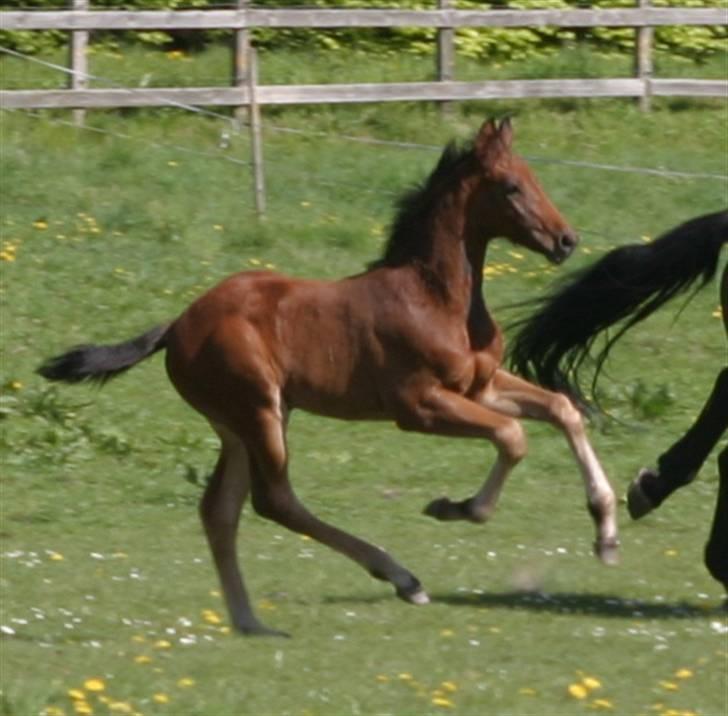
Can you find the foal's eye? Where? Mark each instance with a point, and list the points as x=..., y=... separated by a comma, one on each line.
x=510, y=188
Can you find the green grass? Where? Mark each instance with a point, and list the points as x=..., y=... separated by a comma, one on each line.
x=111, y=234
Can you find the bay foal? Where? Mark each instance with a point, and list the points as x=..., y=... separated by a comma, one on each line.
x=409, y=340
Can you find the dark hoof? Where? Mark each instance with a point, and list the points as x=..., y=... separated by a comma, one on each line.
x=638, y=504
x=262, y=630
x=607, y=551
x=445, y=510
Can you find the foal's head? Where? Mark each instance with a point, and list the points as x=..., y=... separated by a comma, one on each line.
x=509, y=201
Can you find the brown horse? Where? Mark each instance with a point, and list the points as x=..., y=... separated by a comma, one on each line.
x=409, y=340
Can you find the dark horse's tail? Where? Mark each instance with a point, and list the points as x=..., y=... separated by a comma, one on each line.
x=627, y=284
x=101, y=363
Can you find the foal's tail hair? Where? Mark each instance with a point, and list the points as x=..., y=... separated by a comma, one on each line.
x=97, y=364
x=627, y=284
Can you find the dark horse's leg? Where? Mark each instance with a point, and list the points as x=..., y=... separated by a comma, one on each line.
x=716, y=551
x=680, y=463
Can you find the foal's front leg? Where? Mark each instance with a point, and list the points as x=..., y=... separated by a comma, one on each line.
x=518, y=398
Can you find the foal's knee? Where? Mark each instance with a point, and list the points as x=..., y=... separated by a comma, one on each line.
x=565, y=414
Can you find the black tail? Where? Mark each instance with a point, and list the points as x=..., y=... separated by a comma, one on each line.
x=101, y=363
x=627, y=284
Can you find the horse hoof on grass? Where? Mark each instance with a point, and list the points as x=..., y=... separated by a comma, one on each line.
x=638, y=504
x=420, y=597
x=262, y=630
x=607, y=552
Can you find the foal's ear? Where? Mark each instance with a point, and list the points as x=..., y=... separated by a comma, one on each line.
x=505, y=132
x=492, y=139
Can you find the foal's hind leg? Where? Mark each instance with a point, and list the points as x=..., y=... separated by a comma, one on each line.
x=273, y=497
x=518, y=398
x=220, y=509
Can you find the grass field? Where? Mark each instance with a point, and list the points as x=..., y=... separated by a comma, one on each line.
x=109, y=600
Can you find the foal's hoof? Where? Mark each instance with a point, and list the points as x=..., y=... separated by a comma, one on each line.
x=638, y=504
x=418, y=597
x=607, y=551
x=445, y=510
x=262, y=630
x=413, y=593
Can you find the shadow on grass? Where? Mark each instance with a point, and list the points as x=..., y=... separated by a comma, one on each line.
x=571, y=603
x=603, y=605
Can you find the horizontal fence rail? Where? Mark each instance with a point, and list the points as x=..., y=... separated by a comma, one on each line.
x=356, y=93
x=311, y=18
x=80, y=20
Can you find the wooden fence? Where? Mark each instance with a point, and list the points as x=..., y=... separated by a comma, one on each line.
x=79, y=21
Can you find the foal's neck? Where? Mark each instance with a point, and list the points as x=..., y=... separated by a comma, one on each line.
x=457, y=254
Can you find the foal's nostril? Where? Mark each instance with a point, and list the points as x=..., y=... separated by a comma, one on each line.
x=568, y=241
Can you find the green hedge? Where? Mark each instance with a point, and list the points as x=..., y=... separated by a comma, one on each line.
x=696, y=43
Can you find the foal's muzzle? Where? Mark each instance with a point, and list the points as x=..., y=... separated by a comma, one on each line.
x=564, y=245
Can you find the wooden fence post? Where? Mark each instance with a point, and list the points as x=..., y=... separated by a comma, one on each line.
x=78, y=60
x=445, y=53
x=241, y=47
x=643, y=59
x=256, y=139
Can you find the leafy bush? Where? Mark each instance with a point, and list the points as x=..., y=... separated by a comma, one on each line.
x=696, y=43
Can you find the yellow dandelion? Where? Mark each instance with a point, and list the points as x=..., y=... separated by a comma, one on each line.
x=305, y=204
x=591, y=683
x=266, y=605
x=382, y=678
x=15, y=385
x=139, y=638
x=527, y=691
x=449, y=686
x=121, y=707
x=447, y=632
x=76, y=694
x=53, y=711
x=40, y=224
x=172, y=163
x=82, y=708
x=143, y=659
x=405, y=676
x=218, y=227
x=670, y=553
x=442, y=702
x=254, y=262
x=305, y=538
x=646, y=238
x=578, y=691
x=602, y=704
x=56, y=556
x=186, y=682
x=175, y=55
x=270, y=266
x=162, y=644
x=718, y=313
x=94, y=685
x=161, y=698
x=211, y=616
x=669, y=685
x=494, y=630
x=225, y=630
x=683, y=674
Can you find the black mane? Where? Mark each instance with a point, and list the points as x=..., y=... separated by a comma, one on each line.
x=407, y=237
